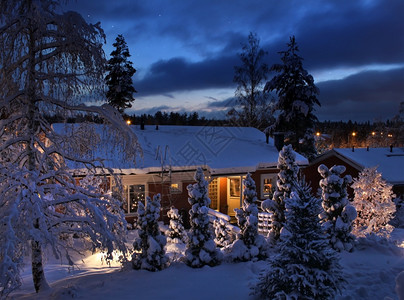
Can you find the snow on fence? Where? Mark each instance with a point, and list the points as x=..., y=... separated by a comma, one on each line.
x=264, y=222
x=213, y=214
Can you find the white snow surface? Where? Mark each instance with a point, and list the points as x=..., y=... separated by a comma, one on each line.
x=371, y=272
x=389, y=164
x=222, y=150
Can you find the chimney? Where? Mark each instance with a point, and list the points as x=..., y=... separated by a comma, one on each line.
x=141, y=124
x=267, y=136
x=353, y=148
x=279, y=140
x=391, y=148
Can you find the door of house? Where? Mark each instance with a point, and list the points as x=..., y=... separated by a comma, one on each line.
x=234, y=194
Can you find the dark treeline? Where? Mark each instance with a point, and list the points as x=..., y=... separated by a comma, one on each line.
x=328, y=134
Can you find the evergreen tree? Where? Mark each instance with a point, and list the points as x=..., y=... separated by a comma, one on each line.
x=297, y=95
x=250, y=78
x=287, y=176
x=50, y=60
x=305, y=266
x=223, y=235
x=374, y=203
x=149, y=245
x=338, y=216
x=249, y=245
x=201, y=249
x=176, y=232
x=119, y=78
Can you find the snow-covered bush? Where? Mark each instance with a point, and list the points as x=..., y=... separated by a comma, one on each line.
x=149, y=252
x=249, y=245
x=176, y=232
x=201, y=249
x=287, y=176
x=305, y=266
x=338, y=215
x=223, y=234
x=373, y=202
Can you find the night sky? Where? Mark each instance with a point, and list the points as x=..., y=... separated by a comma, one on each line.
x=185, y=51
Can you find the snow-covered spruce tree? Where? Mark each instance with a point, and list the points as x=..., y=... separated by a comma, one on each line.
x=287, y=176
x=305, y=266
x=338, y=215
x=176, y=232
x=250, y=78
x=374, y=203
x=119, y=77
x=48, y=60
x=249, y=245
x=201, y=249
x=223, y=235
x=297, y=96
x=149, y=245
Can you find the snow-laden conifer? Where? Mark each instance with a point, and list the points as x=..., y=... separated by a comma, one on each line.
x=223, y=234
x=149, y=244
x=287, y=176
x=338, y=215
x=176, y=232
x=119, y=77
x=305, y=266
x=201, y=249
x=51, y=61
x=374, y=203
x=249, y=245
x=297, y=97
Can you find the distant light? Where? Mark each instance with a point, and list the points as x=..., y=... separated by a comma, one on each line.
x=390, y=135
x=353, y=133
x=318, y=133
x=373, y=133
x=128, y=122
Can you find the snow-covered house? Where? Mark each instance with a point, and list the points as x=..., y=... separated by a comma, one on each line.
x=389, y=162
x=171, y=155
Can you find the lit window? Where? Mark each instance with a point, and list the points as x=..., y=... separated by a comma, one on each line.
x=132, y=195
x=234, y=187
x=175, y=187
x=268, y=182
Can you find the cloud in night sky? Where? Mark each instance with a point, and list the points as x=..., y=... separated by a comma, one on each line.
x=185, y=51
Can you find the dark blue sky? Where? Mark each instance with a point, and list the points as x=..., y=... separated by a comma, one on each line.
x=185, y=51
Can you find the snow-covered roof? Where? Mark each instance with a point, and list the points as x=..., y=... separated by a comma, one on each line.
x=222, y=150
x=389, y=164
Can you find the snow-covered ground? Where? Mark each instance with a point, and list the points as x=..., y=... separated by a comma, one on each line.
x=370, y=271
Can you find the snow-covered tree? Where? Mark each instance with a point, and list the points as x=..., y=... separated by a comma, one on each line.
x=249, y=245
x=223, y=235
x=201, y=249
x=297, y=96
x=119, y=77
x=338, y=215
x=250, y=79
x=305, y=266
x=49, y=60
x=176, y=232
x=287, y=177
x=374, y=203
x=149, y=244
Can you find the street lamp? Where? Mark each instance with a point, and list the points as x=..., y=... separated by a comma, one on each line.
x=128, y=122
